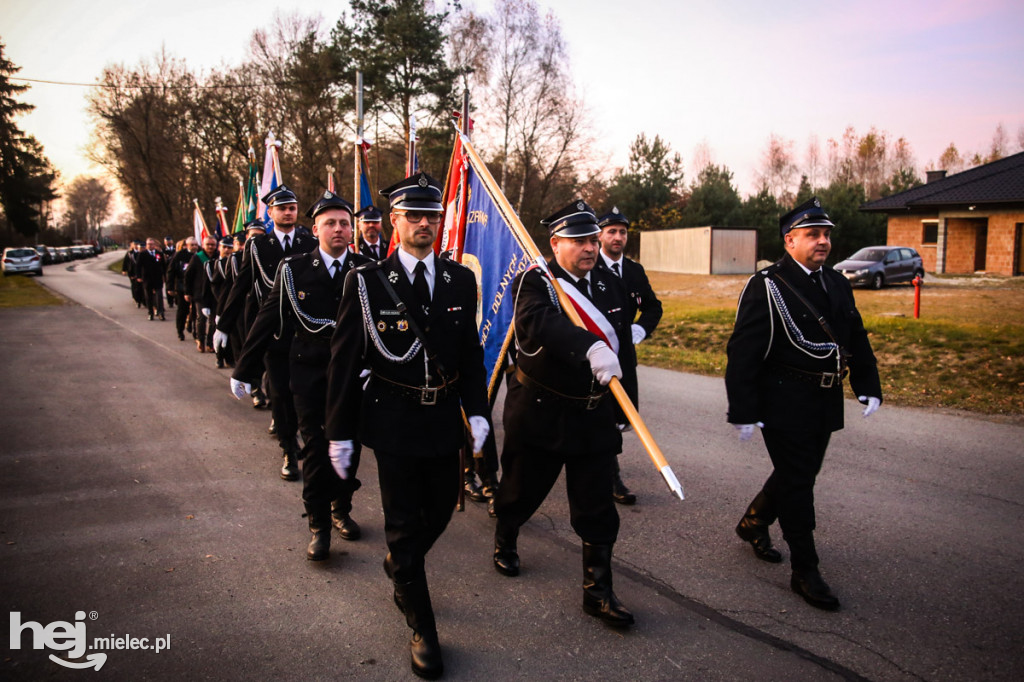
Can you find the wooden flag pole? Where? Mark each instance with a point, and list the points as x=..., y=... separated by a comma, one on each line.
x=615, y=385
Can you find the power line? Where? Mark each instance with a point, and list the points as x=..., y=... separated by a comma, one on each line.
x=196, y=86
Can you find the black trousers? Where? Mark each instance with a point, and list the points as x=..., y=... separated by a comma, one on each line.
x=155, y=299
x=181, y=316
x=282, y=404
x=418, y=495
x=796, y=457
x=527, y=476
x=204, y=327
x=321, y=485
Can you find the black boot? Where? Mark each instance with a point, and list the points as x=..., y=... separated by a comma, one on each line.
x=506, y=556
x=290, y=462
x=424, y=649
x=753, y=528
x=473, y=489
x=259, y=400
x=348, y=529
x=320, y=527
x=815, y=591
x=620, y=493
x=598, y=598
x=489, y=483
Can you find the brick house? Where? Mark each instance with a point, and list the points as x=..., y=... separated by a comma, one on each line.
x=968, y=222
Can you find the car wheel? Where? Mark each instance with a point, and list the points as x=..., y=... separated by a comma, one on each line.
x=877, y=282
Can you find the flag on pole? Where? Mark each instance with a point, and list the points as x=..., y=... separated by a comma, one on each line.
x=271, y=177
x=365, y=193
x=252, y=185
x=198, y=224
x=412, y=161
x=222, y=220
x=238, y=224
x=330, y=179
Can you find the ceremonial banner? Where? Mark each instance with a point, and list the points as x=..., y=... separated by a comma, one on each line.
x=365, y=193
x=198, y=224
x=493, y=252
x=271, y=177
x=222, y=220
x=252, y=185
x=450, y=237
x=238, y=224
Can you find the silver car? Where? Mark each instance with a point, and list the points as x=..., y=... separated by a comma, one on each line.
x=18, y=260
x=877, y=266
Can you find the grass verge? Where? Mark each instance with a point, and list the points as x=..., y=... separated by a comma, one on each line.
x=21, y=290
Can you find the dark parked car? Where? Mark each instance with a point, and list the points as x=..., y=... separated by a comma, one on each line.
x=65, y=253
x=877, y=266
x=44, y=253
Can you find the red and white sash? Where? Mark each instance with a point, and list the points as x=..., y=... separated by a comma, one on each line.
x=593, y=319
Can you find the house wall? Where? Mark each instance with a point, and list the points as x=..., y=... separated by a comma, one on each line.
x=999, y=258
x=961, y=234
x=957, y=242
x=908, y=230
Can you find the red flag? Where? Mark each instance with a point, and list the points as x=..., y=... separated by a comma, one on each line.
x=198, y=224
x=453, y=233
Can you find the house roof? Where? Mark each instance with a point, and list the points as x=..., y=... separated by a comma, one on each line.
x=999, y=182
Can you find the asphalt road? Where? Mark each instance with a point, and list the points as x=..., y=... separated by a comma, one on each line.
x=133, y=488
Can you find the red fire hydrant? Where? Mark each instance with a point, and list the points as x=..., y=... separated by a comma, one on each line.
x=917, y=282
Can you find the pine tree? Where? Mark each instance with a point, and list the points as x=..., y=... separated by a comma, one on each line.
x=26, y=176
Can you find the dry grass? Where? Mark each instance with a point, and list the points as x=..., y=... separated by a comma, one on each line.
x=21, y=290
x=966, y=351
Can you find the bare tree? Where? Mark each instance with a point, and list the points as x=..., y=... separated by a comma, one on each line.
x=703, y=157
x=778, y=169
x=812, y=160
x=88, y=203
x=1000, y=144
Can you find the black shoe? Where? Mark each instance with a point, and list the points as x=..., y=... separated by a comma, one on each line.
x=258, y=400
x=490, y=509
x=598, y=598
x=425, y=656
x=760, y=540
x=289, y=467
x=814, y=590
x=389, y=571
x=506, y=554
x=272, y=429
x=319, y=546
x=622, y=494
x=347, y=528
x=220, y=363
x=608, y=609
x=162, y=318
x=151, y=317
x=181, y=336
x=474, y=490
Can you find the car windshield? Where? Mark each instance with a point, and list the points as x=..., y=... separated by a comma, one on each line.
x=21, y=253
x=869, y=254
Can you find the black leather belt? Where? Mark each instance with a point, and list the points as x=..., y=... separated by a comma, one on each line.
x=588, y=402
x=821, y=379
x=424, y=395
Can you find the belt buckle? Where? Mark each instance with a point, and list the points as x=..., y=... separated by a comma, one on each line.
x=428, y=395
x=828, y=379
x=593, y=399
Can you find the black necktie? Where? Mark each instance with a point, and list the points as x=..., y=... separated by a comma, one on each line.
x=615, y=269
x=336, y=267
x=371, y=249
x=287, y=244
x=816, y=278
x=581, y=284
x=419, y=285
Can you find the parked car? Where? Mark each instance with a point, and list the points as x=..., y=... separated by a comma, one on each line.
x=877, y=266
x=54, y=256
x=65, y=253
x=19, y=259
x=44, y=253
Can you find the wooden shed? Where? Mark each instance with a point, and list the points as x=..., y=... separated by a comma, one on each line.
x=700, y=250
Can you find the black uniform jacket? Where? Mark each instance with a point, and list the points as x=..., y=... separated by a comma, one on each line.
x=377, y=335
x=777, y=346
x=261, y=256
x=552, y=353
x=382, y=248
x=150, y=268
x=198, y=276
x=304, y=301
x=176, y=270
x=231, y=269
x=220, y=281
x=128, y=263
x=641, y=295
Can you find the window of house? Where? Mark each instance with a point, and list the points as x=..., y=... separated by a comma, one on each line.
x=930, y=232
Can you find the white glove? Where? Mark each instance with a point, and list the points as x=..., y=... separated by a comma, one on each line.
x=747, y=430
x=872, y=404
x=216, y=319
x=639, y=334
x=220, y=339
x=206, y=312
x=479, y=427
x=340, y=452
x=603, y=363
x=240, y=389
x=365, y=374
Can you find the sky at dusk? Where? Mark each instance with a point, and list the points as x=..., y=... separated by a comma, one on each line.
x=725, y=74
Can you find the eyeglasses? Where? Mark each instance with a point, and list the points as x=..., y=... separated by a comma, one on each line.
x=433, y=217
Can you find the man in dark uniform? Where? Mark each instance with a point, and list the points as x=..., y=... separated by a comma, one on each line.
x=251, y=287
x=168, y=255
x=785, y=374
x=304, y=301
x=370, y=243
x=220, y=284
x=128, y=265
x=558, y=412
x=199, y=293
x=411, y=320
x=149, y=269
x=176, y=282
x=614, y=233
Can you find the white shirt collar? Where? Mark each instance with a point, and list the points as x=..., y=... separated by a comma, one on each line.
x=609, y=261
x=281, y=235
x=409, y=262
x=329, y=259
x=804, y=268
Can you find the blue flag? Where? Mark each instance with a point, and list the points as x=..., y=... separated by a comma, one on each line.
x=495, y=256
